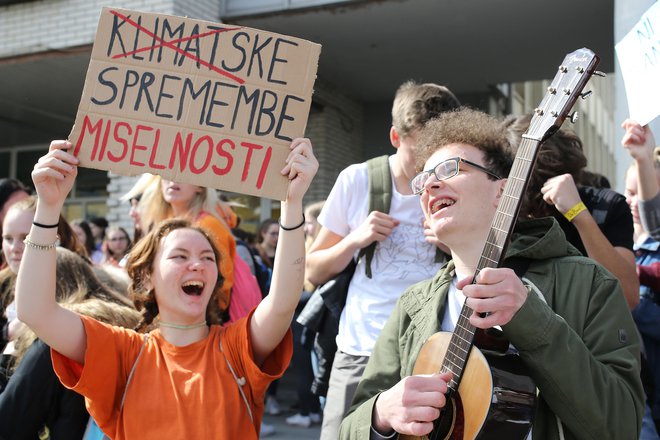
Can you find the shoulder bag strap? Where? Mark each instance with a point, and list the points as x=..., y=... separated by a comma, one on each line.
x=130, y=375
x=240, y=381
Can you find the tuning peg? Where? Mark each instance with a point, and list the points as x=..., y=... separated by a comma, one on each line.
x=586, y=94
x=599, y=73
x=573, y=117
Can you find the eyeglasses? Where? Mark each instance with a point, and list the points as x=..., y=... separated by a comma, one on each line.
x=443, y=171
x=118, y=239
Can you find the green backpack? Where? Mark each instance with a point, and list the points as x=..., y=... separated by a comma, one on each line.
x=380, y=198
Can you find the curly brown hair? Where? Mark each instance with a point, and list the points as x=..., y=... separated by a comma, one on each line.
x=470, y=127
x=140, y=266
x=560, y=154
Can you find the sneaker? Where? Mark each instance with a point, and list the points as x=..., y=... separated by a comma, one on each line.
x=266, y=430
x=315, y=417
x=299, y=420
x=272, y=408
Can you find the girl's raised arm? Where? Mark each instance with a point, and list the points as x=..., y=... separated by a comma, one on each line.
x=273, y=316
x=61, y=329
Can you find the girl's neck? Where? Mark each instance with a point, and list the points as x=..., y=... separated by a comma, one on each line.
x=269, y=251
x=180, y=210
x=180, y=337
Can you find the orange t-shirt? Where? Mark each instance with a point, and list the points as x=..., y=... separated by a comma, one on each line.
x=226, y=244
x=175, y=392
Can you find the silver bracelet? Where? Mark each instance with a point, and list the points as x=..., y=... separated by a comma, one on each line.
x=41, y=247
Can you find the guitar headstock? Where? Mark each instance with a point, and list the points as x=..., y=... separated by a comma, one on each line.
x=573, y=74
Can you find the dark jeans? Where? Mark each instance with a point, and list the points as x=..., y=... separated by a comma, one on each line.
x=302, y=366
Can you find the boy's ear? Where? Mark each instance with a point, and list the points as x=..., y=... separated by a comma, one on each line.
x=395, y=139
x=500, y=190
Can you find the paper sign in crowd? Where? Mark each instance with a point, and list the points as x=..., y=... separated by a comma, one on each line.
x=194, y=101
x=639, y=56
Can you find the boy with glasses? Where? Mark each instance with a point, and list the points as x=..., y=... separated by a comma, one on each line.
x=566, y=317
x=401, y=258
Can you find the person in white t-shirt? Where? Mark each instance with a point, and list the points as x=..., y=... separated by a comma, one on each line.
x=404, y=254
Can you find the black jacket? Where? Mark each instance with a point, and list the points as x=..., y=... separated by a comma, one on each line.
x=34, y=398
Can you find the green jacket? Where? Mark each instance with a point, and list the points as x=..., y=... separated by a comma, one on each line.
x=579, y=342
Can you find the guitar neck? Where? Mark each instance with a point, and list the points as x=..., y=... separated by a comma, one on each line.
x=491, y=256
x=572, y=75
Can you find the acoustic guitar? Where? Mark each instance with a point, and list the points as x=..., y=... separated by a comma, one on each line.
x=491, y=395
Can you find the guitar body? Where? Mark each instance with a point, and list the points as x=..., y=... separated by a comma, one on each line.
x=495, y=398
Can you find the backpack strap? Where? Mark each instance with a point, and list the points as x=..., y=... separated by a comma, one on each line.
x=380, y=198
x=90, y=429
x=130, y=375
x=240, y=381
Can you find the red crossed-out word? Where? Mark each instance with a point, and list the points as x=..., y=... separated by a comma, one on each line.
x=172, y=45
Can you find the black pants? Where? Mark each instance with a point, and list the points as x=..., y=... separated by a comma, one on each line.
x=302, y=366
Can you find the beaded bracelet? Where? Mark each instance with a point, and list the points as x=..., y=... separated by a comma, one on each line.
x=41, y=247
x=574, y=211
x=284, y=228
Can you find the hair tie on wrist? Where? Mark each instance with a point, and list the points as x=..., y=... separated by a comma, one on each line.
x=284, y=228
x=41, y=225
x=574, y=211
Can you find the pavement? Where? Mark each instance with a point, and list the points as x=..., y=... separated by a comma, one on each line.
x=287, y=398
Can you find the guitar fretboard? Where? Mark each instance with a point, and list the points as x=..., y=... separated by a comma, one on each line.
x=566, y=87
x=494, y=248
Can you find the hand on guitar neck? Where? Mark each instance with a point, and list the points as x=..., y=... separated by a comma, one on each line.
x=411, y=406
x=495, y=298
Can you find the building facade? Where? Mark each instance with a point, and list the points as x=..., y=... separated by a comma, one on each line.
x=369, y=47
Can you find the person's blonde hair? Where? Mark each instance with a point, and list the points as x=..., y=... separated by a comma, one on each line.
x=154, y=208
x=313, y=210
x=415, y=104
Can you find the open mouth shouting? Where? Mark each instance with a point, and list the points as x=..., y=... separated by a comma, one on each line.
x=193, y=288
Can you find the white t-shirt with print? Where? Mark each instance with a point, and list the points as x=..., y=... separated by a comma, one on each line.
x=401, y=260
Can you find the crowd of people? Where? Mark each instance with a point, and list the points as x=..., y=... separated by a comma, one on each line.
x=183, y=326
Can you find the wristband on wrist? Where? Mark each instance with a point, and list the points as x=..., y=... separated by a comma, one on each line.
x=574, y=211
x=41, y=225
x=284, y=228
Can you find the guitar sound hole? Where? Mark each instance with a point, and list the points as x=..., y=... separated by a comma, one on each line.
x=449, y=426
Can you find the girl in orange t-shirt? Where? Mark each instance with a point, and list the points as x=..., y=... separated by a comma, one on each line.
x=190, y=377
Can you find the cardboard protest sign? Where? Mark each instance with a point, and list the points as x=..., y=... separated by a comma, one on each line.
x=639, y=56
x=194, y=101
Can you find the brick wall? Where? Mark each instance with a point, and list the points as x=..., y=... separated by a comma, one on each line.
x=336, y=122
x=40, y=26
x=54, y=24
x=336, y=129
